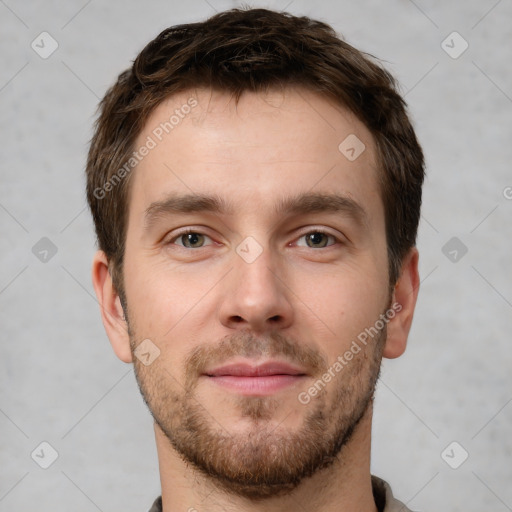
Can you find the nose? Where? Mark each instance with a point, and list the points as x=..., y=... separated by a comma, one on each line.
x=255, y=296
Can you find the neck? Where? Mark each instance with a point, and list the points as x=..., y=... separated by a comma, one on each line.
x=343, y=486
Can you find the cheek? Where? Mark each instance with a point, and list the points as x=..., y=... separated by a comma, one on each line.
x=164, y=298
x=345, y=302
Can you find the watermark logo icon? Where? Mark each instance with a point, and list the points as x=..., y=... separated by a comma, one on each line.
x=44, y=455
x=44, y=250
x=454, y=455
x=352, y=147
x=454, y=249
x=454, y=45
x=249, y=249
x=146, y=352
x=44, y=45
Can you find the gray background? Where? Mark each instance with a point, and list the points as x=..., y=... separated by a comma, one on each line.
x=60, y=382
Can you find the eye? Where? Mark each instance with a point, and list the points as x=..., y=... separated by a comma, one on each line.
x=190, y=239
x=317, y=239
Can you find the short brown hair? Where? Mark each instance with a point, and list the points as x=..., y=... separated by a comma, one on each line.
x=253, y=50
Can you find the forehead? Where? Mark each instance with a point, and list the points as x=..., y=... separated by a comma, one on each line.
x=254, y=151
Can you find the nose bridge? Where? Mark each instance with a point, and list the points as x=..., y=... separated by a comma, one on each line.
x=254, y=266
x=254, y=294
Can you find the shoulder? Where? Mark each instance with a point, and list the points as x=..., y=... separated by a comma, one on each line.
x=157, y=505
x=384, y=498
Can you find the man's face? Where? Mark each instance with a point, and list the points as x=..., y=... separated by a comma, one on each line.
x=281, y=276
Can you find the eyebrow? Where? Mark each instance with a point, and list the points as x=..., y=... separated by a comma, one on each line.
x=297, y=205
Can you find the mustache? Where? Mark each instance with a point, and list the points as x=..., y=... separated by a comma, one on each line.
x=245, y=344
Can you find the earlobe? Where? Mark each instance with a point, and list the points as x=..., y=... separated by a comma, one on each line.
x=112, y=313
x=403, y=302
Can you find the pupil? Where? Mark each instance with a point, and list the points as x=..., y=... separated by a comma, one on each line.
x=316, y=238
x=192, y=238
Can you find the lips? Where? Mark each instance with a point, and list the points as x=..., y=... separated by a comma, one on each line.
x=262, y=370
x=256, y=380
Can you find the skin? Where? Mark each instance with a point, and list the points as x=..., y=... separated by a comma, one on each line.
x=292, y=301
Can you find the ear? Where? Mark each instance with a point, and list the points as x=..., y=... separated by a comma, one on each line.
x=112, y=313
x=403, y=303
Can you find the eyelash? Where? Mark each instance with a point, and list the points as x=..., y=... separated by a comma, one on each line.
x=197, y=232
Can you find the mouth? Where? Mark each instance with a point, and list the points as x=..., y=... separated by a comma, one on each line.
x=256, y=380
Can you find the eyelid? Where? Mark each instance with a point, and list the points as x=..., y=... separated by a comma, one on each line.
x=319, y=229
x=200, y=231
x=185, y=231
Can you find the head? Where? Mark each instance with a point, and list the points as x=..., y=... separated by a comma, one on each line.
x=247, y=129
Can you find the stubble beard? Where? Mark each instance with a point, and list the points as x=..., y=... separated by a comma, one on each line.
x=267, y=460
